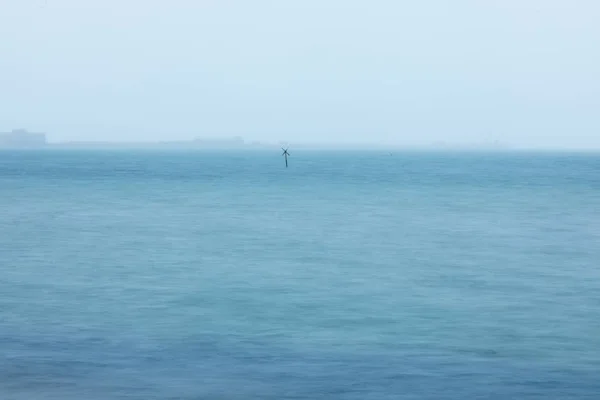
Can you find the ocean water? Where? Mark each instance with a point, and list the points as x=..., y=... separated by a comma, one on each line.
x=198, y=275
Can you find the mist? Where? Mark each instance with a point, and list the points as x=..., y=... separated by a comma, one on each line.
x=524, y=73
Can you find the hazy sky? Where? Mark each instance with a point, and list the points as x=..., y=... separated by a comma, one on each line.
x=520, y=71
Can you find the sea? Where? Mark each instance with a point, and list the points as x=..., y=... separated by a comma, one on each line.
x=358, y=275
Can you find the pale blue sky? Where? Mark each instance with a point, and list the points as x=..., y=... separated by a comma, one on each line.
x=401, y=72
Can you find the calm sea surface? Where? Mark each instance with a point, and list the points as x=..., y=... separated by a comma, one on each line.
x=191, y=275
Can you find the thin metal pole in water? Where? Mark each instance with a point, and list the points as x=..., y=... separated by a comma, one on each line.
x=285, y=155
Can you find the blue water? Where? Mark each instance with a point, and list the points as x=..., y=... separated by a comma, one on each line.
x=191, y=275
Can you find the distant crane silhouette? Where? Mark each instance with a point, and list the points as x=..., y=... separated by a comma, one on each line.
x=285, y=154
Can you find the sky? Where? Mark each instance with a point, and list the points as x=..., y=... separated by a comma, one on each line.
x=521, y=72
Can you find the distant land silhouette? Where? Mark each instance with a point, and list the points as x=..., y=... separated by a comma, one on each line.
x=21, y=138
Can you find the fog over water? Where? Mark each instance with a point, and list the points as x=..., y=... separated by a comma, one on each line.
x=522, y=73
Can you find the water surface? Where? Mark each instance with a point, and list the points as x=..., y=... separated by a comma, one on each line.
x=196, y=275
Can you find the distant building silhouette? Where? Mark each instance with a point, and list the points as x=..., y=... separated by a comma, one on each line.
x=21, y=138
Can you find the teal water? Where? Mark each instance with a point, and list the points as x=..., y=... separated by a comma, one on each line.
x=191, y=275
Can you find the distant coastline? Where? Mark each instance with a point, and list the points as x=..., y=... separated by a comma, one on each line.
x=24, y=139
x=194, y=146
